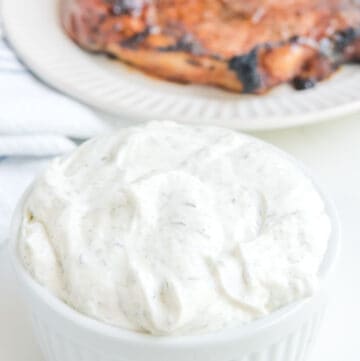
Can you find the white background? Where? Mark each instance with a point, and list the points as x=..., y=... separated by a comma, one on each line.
x=332, y=152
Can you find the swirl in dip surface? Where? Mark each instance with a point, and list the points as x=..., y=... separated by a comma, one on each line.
x=171, y=229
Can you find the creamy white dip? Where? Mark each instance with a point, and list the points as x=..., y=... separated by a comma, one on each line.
x=172, y=229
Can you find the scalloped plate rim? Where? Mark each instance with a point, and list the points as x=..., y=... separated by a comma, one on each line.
x=46, y=73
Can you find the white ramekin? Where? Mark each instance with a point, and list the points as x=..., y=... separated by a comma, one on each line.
x=66, y=335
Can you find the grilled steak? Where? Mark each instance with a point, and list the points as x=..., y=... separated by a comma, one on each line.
x=243, y=46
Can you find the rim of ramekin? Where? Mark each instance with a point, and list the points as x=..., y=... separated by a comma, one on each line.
x=244, y=331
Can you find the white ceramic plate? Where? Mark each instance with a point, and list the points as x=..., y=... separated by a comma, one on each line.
x=33, y=29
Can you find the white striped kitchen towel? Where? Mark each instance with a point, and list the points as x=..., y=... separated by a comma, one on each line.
x=34, y=119
x=36, y=123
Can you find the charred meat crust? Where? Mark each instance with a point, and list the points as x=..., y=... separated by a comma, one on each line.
x=173, y=39
x=247, y=70
x=120, y=7
x=185, y=44
x=249, y=73
x=300, y=83
x=345, y=38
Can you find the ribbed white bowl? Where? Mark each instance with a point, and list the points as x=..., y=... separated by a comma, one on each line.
x=66, y=335
x=33, y=29
x=61, y=341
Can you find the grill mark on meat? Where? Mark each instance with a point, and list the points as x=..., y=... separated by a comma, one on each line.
x=193, y=62
x=128, y=7
x=133, y=41
x=185, y=43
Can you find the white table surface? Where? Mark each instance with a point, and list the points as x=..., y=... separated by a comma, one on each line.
x=332, y=152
